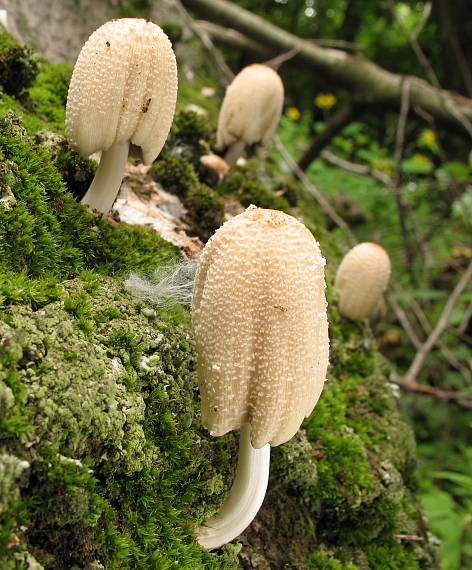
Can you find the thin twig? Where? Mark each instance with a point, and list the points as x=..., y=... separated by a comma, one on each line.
x=207, y=43
x=404, y=321
x=461, y=399
x=402, y=208
x=317, y=194
x=465, y=320
x=440, y=327
x=355, y=168
x=277, y=61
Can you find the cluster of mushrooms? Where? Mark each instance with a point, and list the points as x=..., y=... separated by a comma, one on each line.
x=259, y=311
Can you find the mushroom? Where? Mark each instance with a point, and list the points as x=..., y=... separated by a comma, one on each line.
x=251, y=110
x=215, y=164
x=259, y=317
x=123, y=89
x=361, y=280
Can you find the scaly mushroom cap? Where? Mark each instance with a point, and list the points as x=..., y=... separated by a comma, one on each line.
x=361, y=280
x=252, y=106
x=259, y=316
x=124, y=87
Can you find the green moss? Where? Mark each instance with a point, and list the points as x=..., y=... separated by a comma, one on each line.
x=243, y=184
x=18, y=65
x=77, y=172
x=46, y=233
x=103, y=460
x=190, y=137
x=324, y=560
x=174, y=174
x=119, y=464
x=48, y=95
x=206, y=209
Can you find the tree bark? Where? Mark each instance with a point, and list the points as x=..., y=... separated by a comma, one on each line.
x=369, y=82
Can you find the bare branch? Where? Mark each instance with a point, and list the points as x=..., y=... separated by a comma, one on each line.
x=277, y=61
x=440, y=327
x=233, y=39
x=367, y=81
x=395, y=187
x=333, y=127
x=461, y=399
x=317, y=194
x=355, y=168
x=206, y=42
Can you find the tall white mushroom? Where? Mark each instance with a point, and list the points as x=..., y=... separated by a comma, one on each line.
x=259, y=316
x=361, y=280
x=251, y=110
x=123, y=89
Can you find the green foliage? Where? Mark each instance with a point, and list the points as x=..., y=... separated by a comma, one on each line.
x=18, y=65
x=174, y=174
x=207, y=210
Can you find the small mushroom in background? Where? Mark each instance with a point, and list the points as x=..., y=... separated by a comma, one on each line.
x=215, y=164
x=123, y=90
x=361, y=280
x=251, y=110
x=261, y=329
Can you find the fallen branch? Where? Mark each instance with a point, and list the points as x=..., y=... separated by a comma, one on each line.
x=369, y=83
x=440, y=327
x=355, y=168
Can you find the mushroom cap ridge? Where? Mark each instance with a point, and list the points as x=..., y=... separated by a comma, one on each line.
x=259, y=316
x=123, y=87
x=252, y=106
x=361, y=280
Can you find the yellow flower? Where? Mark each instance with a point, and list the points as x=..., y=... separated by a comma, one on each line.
x=429, y=137
x=325, y=100
x=293, y=113
x=420, y=158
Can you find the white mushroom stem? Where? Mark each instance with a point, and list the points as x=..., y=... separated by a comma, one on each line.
x=245, y=498
x=234, y=152
x=106, y=184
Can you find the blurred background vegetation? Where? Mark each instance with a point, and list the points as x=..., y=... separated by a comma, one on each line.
x=432, y=174
x=402, y=179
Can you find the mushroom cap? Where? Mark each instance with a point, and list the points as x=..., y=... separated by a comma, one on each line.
x=361, y=280
x=124, y=87
x=261, y=329
x=215, y=163
x=252, y=106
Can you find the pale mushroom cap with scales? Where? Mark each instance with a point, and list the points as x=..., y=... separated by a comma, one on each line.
x=124, y=87
x=259, y=316
x=252, y=106
x=361, y=280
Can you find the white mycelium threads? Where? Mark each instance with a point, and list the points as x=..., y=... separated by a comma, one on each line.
x=123, y=89
x=361, y=280
x=259, y=316
x=251, y=110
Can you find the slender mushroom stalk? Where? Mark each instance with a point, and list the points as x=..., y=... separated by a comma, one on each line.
x=251, y=110
x=123, y=90
x=361, y=280
x=259, y=316
x=245, y=498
